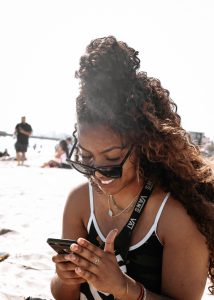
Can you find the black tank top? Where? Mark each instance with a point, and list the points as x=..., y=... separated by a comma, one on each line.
x=144, y=260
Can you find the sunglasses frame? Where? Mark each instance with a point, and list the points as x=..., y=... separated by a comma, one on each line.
x=102, y=169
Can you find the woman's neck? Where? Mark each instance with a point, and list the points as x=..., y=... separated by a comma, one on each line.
x=128, y=194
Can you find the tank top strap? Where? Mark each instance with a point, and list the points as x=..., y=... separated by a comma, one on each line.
x=91, y=198
x=160, y=211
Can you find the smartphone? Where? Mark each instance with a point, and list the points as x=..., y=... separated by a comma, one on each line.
x=61, y=246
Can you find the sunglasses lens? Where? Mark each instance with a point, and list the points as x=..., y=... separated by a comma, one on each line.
x=113, y=172
x=82, y=169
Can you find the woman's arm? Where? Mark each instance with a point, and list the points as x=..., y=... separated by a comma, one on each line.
x=61, y=291
x=100, y=269
x=65, y=285
x=184, y=269
x=185, y=255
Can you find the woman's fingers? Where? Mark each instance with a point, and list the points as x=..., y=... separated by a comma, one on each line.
x=86, y=255
x=86, y=250
x=59, y=258
x=86, y=275
x=66, y=266
x=94, y=265
x=90, y=253
x=66, y=270
x=68, y=275
x=109, y=244
x=89, y=264
x=62, y=263
x=89, y=257
x=95, y=269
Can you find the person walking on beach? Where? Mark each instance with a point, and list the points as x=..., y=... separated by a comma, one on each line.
x=23, y=131
x=144, y=223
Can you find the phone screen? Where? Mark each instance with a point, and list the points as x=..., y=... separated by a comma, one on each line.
x=61, y=246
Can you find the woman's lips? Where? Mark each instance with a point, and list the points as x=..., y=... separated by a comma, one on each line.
x=103, y=182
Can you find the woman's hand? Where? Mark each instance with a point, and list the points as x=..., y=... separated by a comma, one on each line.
x=66, y=270
x=98, y=267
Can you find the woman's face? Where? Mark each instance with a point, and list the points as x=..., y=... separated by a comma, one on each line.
x=100, y=146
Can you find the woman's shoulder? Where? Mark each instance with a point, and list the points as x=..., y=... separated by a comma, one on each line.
x=76, y=212
x=78, y=197
x=175, y=223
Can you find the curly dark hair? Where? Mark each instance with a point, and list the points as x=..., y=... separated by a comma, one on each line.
x=115, y=93
x=63, y=144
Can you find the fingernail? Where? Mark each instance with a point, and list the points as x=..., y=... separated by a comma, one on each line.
x=74, y=247
x=67, y=257
x=81, y=241
x=73, y=257
x=78, y=270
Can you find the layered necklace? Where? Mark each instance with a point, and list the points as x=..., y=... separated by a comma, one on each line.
x=121, y=210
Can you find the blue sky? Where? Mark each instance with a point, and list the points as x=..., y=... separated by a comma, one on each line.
x=41, y=42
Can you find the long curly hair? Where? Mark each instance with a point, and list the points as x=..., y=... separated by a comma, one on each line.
x=115, y=93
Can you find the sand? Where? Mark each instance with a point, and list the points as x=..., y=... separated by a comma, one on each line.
x=31, y=201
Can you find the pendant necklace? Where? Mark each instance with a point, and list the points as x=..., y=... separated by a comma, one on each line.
x=111, y=198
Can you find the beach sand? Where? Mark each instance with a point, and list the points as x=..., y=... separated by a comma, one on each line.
x=32, y=201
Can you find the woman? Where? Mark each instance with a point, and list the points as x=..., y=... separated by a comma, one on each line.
x=144, y=223
x=61, y=155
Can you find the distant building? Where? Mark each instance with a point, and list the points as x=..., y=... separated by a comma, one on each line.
x=204, y=143
x=198, y=137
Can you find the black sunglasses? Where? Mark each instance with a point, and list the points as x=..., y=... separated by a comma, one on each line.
x=114, y=171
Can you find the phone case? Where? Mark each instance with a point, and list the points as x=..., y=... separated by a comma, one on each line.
x=61, y=246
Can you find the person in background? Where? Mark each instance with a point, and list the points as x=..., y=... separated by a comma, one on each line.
x=69, y=142
x=4, y=154
x=144, y=224
x=22, y=132
x=62, y=151
x=60, y=158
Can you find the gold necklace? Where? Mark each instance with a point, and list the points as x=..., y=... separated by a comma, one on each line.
x=115, y=203
x=110, y=212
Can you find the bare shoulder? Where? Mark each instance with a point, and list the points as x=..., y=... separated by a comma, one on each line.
x=175, y=223
x=78, y=198
x=76, y=212
x=185, y=253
